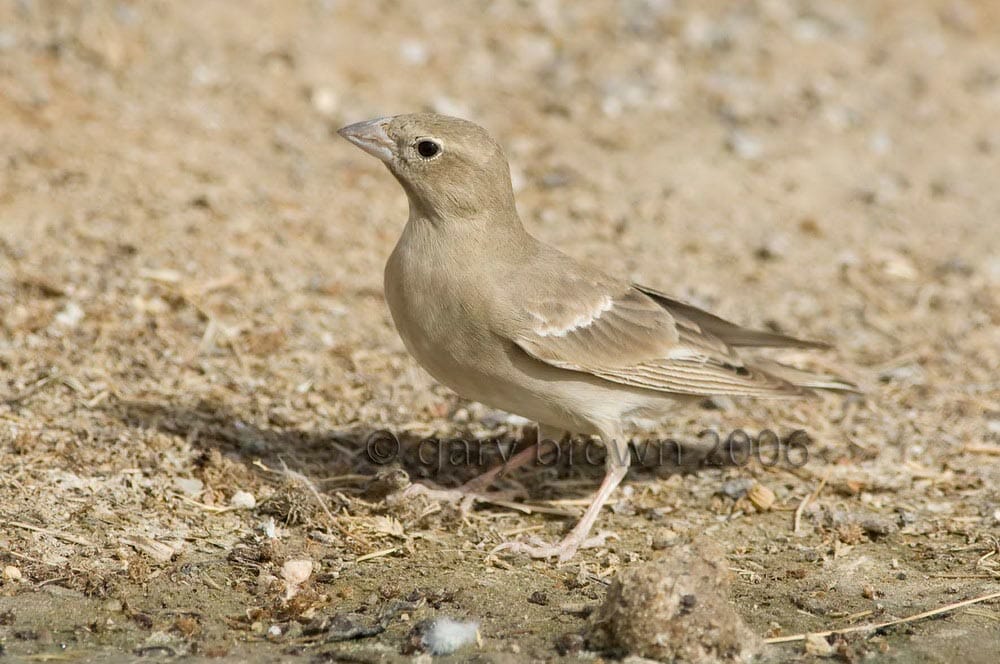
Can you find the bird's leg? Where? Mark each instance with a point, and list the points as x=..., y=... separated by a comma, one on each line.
x=475, y=489
x=618, y=460
x=485, y=480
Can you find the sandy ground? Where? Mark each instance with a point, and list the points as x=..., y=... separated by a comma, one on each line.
x=190, y=307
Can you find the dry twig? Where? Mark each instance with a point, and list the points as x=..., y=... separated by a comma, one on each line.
x=888, y=623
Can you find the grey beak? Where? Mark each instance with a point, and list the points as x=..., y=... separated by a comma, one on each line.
x=371, y=137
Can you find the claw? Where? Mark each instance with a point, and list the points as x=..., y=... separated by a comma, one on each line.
x=462, y=496
x=564, y=550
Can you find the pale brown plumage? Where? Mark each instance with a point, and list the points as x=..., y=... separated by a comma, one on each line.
x=509, y=321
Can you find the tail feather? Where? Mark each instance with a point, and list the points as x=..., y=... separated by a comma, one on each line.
x=803, y=378
x=730, y=333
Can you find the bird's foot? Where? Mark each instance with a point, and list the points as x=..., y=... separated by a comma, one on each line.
x=564, y=550
x=465, y=496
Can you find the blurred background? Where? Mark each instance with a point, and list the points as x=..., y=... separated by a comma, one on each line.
x=181, y=227
x=750, y=148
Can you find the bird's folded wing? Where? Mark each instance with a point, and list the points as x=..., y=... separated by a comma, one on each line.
x=624, y=336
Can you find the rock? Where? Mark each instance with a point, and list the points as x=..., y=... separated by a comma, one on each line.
x=70, y=316
x=744, y=146
x=817, y=645
x=295, y=573
x=243, y=500
x=569, y=643
x=189, y=486
x=664, y=538
x=761, y=496
x=736, y=488
x=445, y=635
x=675, y=607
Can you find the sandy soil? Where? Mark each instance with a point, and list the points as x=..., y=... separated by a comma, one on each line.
x=190, y=307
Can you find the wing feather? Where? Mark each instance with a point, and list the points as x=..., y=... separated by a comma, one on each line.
x=629, y=337
x=730, y=333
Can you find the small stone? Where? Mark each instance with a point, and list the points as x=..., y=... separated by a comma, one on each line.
x=12, y=574
x=817, y=645
x=295, y=573
x=189, y=486
x=569, y=643
x=744, y=146
x=664, y=538
x=70, y=316
x=737, y=488
x=243, y=500
x=539, y=598
x=444, y=635
x=761, y=497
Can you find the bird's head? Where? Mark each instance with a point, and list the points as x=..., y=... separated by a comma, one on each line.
x=450, y=168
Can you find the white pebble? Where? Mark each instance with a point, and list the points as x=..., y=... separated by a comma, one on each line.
x=446, y=635
x=243, y=500
x=295, y=573
x=70, y=316
x=189, y=486
x=744, y=146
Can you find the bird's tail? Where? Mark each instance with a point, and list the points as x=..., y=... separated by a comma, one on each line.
x=805, y=379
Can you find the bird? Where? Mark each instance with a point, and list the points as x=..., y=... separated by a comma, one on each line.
x=507, y=320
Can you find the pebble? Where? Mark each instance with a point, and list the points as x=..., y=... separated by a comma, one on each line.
x=446, y=635
x=817, y=645
x=664, y=538
x=70, y=316
x=761, y=497
x=295, y=573
x=744, y=146
x=243, y=500
x=736, y=488
x=189, y=486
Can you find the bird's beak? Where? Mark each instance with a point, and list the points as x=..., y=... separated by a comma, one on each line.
x=371, y=137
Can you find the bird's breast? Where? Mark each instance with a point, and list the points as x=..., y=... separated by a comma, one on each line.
x=438, y=315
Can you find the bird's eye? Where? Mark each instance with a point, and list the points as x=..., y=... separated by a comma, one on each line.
x=428, y=149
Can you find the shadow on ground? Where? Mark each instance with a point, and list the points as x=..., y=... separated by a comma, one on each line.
x=366, y=452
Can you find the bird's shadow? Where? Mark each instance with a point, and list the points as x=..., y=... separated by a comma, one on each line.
x=361, y=452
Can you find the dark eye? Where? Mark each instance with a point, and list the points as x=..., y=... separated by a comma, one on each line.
x=428, y=149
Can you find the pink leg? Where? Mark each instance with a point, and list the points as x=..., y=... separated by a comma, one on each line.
x=484, y=481
x=577, y=538
x=467, y=494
